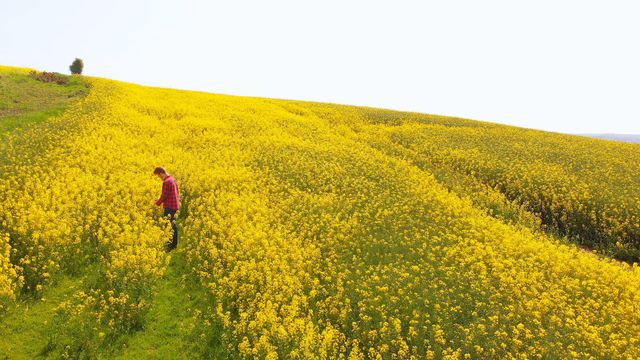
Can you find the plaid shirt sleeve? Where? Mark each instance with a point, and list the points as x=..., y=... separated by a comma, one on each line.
x=163, y=196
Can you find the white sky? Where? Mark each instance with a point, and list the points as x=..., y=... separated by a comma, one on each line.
x=568, y=66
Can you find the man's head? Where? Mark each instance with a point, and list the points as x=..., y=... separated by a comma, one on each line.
x=160, y=172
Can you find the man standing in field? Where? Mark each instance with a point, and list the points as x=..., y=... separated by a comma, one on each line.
x=170, y=199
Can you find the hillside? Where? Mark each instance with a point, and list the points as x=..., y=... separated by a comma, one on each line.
x=311, y=230
x=26, y=100
x=630, y=138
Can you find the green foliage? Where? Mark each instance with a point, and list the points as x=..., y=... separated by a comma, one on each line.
x=77, y=66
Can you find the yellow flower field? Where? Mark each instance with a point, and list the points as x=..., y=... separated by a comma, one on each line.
x=326, y=231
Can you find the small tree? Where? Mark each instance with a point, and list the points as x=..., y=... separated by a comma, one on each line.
x=76, y=66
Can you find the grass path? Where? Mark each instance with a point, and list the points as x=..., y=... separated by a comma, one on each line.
x=170, y=329
x=24, y=328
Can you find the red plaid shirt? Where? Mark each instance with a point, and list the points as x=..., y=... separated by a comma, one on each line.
x=170, y=195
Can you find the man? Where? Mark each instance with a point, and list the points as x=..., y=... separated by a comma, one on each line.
x=170, y=199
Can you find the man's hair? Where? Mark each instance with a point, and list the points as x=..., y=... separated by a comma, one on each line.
x=159, y=170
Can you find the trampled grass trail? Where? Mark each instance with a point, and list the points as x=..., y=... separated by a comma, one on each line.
x=170, y=331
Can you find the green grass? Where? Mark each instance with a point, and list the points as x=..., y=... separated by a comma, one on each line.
x=24, y=328
x=171, y=328
x=25, y=100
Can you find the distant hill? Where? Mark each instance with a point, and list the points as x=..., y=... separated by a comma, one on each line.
x=630, y=138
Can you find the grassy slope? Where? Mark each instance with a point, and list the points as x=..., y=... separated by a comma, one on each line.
x=25, y=100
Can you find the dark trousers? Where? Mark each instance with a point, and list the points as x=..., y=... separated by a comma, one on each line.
x=171, y=214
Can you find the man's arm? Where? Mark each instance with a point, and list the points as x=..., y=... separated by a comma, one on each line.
x=163, y=196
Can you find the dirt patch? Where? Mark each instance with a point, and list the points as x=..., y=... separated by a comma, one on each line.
x=11, y=112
